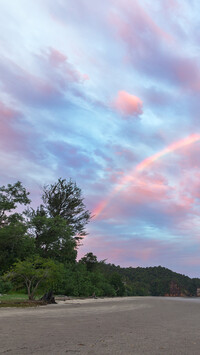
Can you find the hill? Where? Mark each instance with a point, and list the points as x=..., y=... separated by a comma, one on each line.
x=152, y=281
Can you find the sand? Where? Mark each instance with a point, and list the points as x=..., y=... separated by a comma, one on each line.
x=134, y=325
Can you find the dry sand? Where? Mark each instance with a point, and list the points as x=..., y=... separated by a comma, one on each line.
x=134, y=325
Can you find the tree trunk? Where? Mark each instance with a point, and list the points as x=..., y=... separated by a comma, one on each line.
x=48, y=297
x=30, y=295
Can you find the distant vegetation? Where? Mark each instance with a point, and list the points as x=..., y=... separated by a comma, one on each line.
x=38, y=251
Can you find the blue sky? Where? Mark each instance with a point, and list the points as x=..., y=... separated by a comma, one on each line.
x=88, y=91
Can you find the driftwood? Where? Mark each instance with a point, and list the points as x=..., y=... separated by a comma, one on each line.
x=48, y=297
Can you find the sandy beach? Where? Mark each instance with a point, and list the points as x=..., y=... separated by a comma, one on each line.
x=134, y=325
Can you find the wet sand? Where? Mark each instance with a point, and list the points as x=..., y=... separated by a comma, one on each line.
x=134, y=325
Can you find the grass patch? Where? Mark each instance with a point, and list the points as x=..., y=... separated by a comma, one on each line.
x=19, y=300
x=22, y=303
x=14, y=296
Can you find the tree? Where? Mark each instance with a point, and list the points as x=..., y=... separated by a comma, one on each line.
x=116, y=282
x=59, y=223
x=14, y=241
x=52, y=236
x=65, y=199
x=14, y=244
x=33, y=272
x=90, y=260
x=10, y=196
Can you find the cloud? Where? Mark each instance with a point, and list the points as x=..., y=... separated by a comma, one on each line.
x=26, y=87
x=127, y=104
x=56, y=58
x=54, y=77
x=126, y=13
x=151, y=50
x=70, y=157
x=143, y=252
x=158, y=98
x=12, y=138
x=56, y=66
x=158, y=196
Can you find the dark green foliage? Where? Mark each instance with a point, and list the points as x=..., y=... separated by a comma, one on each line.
x=64, y=199
x=116, y=281
x=58, y=225
x=10, y=196
x=78, y=281
x=154, y=281
x=34, y=272
x=14, y=241
x=90, y=260
x=14, y=244
x=52, y=235
x=101, y=285
x=75, y=281
x=82, y=282
x=5, y=286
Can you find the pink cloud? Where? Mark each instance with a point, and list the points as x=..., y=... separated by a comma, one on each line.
x=127, y=104
x=58, y=69
x=56, y=66
x=191, y=261
x=16, y=134
x=143, y=252
x=124, y=153
x=9, y=137
x=27, y=87
x=142, y=194
x=54, y=76
x=134, y=24
x=7, y=113
x=149, y=197
x=56, y=58
x=59, y=60
x=151, y=48
x=134, y=251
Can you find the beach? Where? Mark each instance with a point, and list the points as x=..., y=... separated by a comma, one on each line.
x=128, y=325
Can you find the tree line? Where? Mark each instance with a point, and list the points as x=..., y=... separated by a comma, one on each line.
x=38, y=250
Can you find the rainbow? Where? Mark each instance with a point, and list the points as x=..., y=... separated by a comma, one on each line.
x=144, y=165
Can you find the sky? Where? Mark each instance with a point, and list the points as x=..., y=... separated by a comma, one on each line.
x=107, y=93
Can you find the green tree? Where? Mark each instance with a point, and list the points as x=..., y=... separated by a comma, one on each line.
x=52, y=236
x=90, y=260
x=59, y=223
x=116, y=282
x=14, y=241
x=10, y=197
x=82, y=283
x=14, y=244
x=34, y=272
x=65, y=199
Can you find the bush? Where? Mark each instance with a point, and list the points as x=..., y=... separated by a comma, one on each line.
x=5, y=286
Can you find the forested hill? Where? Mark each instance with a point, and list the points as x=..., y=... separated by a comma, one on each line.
x=154, y=281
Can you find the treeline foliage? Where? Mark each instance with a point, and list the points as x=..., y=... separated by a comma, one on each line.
x=152, y=281
x=38, y=250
